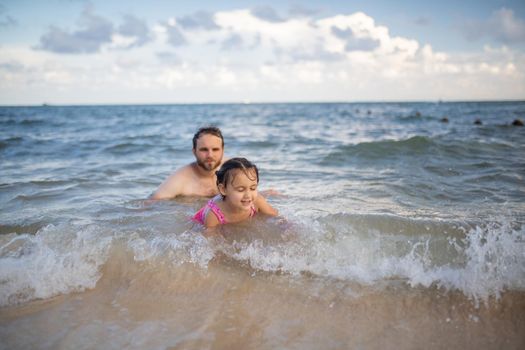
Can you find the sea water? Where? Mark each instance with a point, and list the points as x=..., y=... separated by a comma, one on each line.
x=401, y=226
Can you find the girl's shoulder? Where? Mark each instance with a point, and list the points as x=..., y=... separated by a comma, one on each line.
x=216, y=199
x=214, y=206
x=211, y=220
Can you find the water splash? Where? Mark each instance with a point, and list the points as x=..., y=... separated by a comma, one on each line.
x=56, y=260
x=481, y=260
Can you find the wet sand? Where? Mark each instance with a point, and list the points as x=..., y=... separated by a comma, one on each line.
x=231, y=306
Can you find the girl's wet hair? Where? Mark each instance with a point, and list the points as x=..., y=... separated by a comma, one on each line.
x=225, y=173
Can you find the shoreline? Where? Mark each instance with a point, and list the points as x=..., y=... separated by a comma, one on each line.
x=231, y=306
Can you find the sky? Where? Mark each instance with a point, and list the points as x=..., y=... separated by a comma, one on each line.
x=69, y=52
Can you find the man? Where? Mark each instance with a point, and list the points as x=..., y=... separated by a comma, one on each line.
x=197, y=178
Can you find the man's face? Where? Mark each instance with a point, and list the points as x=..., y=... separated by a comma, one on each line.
x=208, y=152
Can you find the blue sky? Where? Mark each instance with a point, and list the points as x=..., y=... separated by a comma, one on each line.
x=159, y=51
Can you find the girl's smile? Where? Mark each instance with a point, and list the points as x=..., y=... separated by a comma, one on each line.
x=237, y=181
x=241, y=192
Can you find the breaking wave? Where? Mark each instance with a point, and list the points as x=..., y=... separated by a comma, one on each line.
x=481, y=260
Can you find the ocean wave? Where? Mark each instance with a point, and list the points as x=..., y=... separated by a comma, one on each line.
x=124, y=148
x=10, y=142
x=14, y=120
x=379, y=149
x=257, y=144
x=57, y=260
x=481, y=260
x=415, y=146
x=21, y=228
x=416, y=117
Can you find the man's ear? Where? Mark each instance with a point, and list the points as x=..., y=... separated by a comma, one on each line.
x=193, y=150
x=222, y=189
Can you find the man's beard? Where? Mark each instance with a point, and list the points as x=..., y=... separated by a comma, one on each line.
x=207, y=166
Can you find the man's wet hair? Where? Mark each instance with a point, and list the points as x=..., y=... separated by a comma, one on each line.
x=225, y=173
x=211, y=130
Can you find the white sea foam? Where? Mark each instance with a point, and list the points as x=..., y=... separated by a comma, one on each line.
x=495, y=261
x=56, y=260
x=188, y=246
x=488, y=259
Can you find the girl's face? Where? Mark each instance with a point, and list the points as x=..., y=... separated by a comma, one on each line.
x=241, y=191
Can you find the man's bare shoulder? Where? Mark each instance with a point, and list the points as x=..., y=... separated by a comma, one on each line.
x=174, y=184
x=183, y=172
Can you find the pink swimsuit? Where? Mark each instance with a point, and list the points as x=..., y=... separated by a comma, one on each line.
x=200, y=216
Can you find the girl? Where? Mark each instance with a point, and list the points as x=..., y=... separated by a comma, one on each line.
x=237, y=182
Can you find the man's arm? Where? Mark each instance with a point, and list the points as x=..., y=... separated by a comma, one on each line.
x=170, y=188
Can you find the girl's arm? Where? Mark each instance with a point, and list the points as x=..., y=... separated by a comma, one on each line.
x=210, y=220
x=264, y=207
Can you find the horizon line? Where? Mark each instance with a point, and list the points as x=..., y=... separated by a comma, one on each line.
x=49, y=104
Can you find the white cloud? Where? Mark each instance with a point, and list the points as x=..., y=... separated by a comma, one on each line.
x=236, y=55
x=509, y=28
x=134, y=31
x=284, y=34
x=199, y=20
x=266, y=13
x=95, y=33
x=122, y=41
